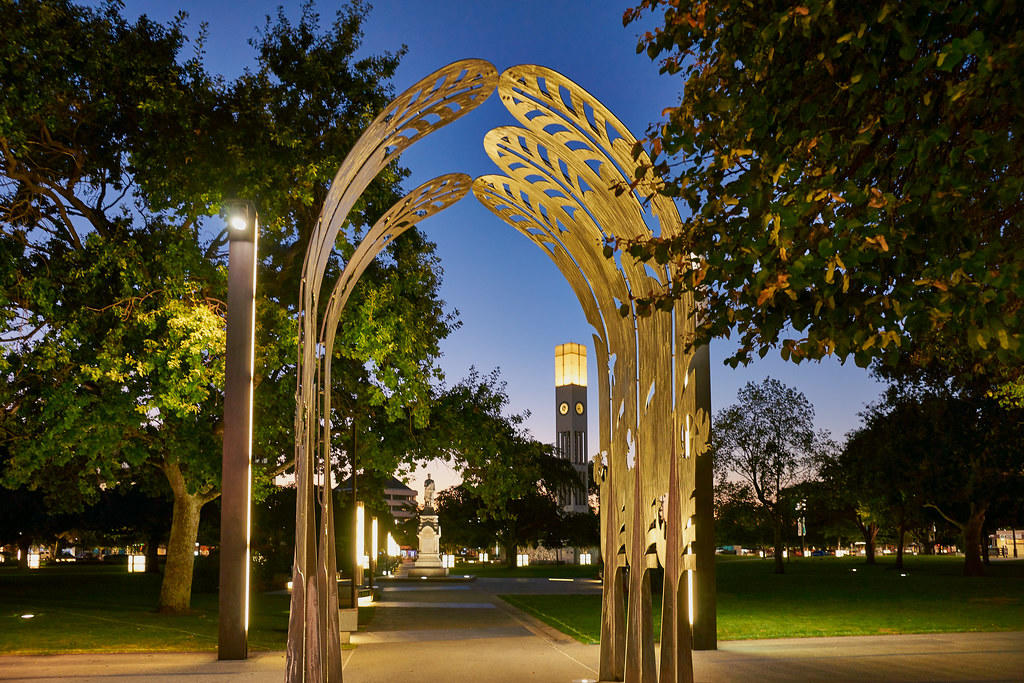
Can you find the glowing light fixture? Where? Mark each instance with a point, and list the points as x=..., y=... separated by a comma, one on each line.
x=373, y=539
x=570, y=365
x=33, y=560
x=393, y=548
x=136, y=564
x=360, y=536
x=689, y=593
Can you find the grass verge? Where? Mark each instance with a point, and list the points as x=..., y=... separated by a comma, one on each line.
x=105, y=609
x=825, y=597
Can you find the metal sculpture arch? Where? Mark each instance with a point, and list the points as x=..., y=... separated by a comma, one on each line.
x=562, y=170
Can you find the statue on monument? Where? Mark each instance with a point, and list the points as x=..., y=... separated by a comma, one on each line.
x=428, y=559
x=428, y=493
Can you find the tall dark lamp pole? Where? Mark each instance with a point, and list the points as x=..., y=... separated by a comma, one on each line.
x=236, y=476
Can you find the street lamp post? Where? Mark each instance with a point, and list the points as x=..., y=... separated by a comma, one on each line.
x=236, y=476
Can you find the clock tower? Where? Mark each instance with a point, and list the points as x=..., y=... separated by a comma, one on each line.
x=571, y=418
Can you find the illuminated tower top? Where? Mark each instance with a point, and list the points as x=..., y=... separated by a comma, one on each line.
x=570, y=365
x=571, y=419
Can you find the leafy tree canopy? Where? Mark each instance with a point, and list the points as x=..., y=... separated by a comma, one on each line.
x=115, y=145
x=925, y=447
x=853, y=174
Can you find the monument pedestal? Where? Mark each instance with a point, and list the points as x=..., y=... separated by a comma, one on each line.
x=428, y=558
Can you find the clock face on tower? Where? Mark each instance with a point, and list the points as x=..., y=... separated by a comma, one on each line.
x=579, y=408
x=563, y=408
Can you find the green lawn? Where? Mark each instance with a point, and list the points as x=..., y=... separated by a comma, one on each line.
x=105, y=609
x=825, y=597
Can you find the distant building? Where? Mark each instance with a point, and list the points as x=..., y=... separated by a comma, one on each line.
x=1007, y=543
x=400, y=498
x=571, y=419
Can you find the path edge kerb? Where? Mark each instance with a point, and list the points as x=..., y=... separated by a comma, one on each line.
x=532, y=623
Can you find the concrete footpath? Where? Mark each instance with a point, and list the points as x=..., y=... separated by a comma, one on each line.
x=461, y=632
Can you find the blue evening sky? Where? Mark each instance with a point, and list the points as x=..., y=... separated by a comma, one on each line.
x=514, y=304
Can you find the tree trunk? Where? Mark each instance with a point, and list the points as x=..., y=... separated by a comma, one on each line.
x=869, y=531
x=780, y=567
x=23, y=545
x=901, y=532
x=984, y=546
x=176, y=587
x=510, y=555
x=508, y=542
x=152, y=556
x=973, y=566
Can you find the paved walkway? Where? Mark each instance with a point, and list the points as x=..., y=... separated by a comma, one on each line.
x=461, y=632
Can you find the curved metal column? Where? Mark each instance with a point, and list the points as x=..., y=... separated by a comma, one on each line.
x=314, y=648
x=567, y=188
x=568, y=172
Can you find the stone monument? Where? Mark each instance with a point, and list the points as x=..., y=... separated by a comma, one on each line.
x=428, y=559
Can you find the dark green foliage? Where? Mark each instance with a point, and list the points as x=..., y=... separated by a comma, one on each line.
x=924, y=446
x=116, y=147
x=739, y=520
x=853, y=175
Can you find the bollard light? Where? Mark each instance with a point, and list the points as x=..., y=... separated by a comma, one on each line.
x=136, y=564
x=373, y=539
x=360, y=536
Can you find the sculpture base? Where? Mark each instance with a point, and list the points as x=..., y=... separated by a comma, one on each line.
x=428, y=563
x=428, y=571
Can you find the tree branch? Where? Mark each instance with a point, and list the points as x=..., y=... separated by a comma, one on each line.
x=946, y=517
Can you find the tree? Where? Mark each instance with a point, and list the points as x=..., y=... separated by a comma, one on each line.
x=114, y=150
x=767, y=440
x=738, y=518
x=955, y=454
x=134, y=513
x=854, y=177
x=458, y=513
x=881, y=475
x=508, y=477
x=851, y=477
x=580, y=529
